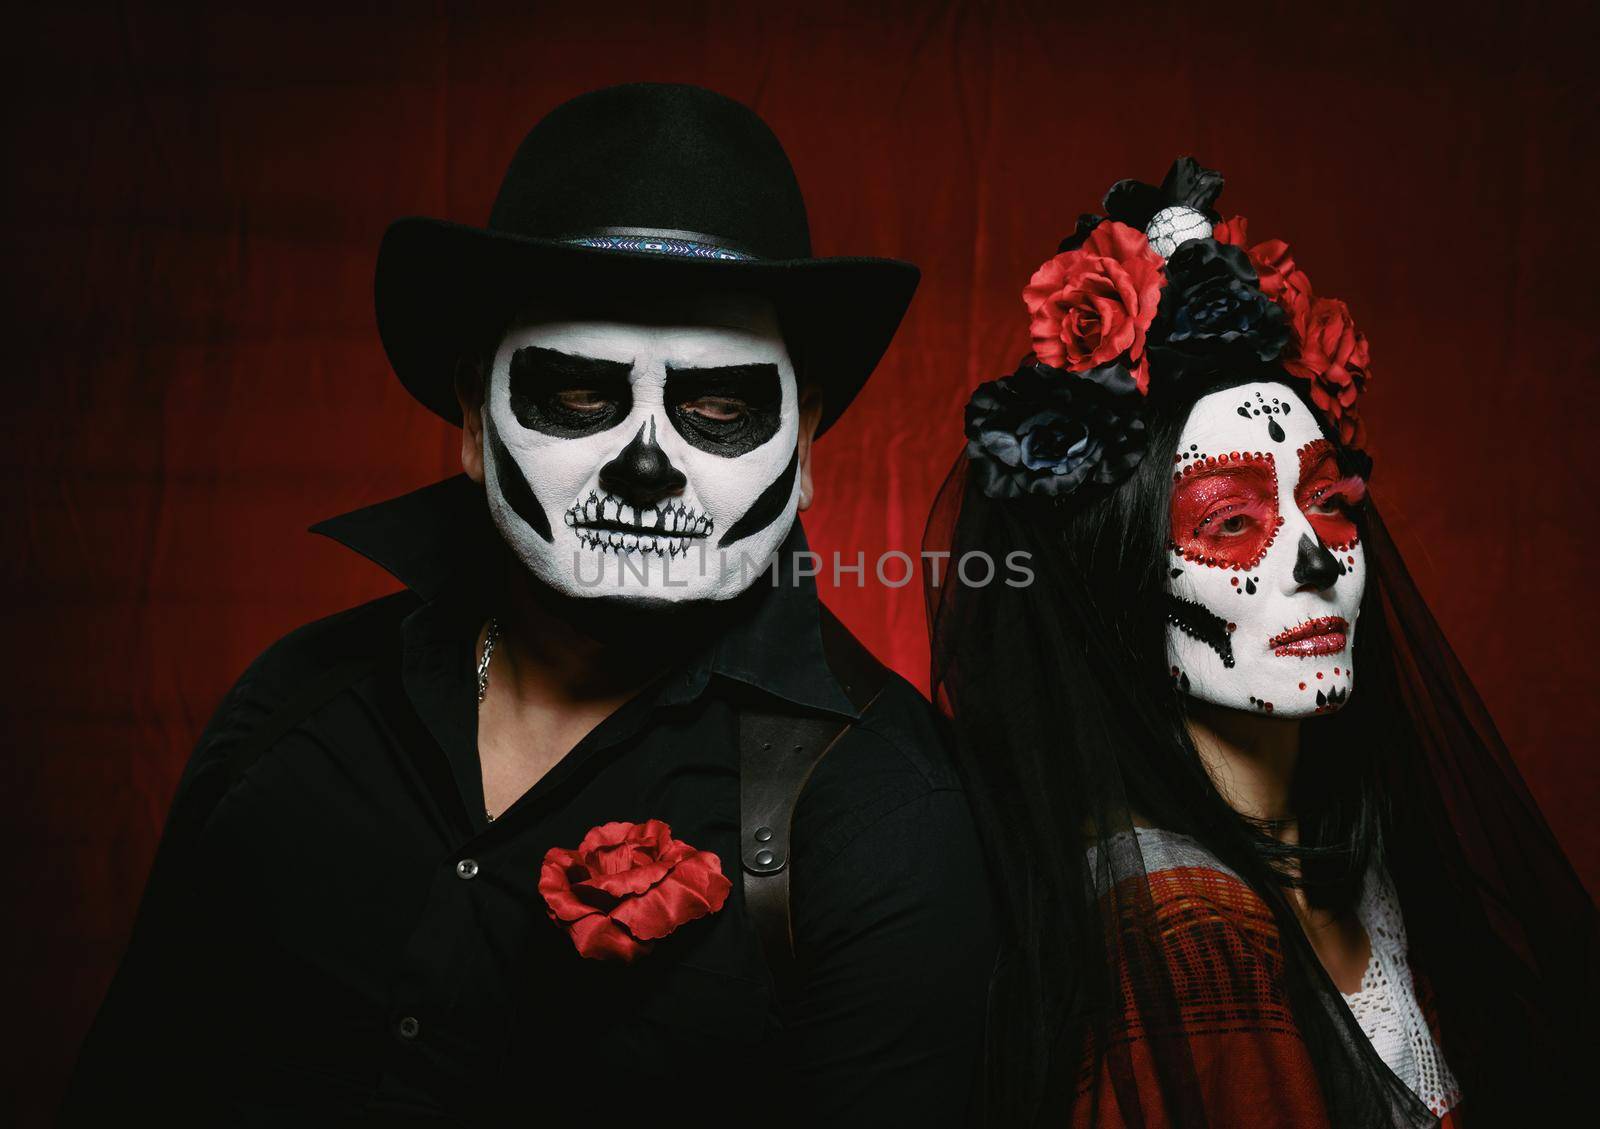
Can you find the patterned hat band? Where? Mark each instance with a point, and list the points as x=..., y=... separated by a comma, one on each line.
x=660, y=241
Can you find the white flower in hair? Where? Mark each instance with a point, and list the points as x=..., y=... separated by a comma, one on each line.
x=1173, y=226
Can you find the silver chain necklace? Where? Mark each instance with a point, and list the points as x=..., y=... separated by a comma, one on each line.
x=488, y=653
x=489, y=641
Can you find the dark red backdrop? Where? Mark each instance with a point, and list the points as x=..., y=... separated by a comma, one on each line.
x=193, y=200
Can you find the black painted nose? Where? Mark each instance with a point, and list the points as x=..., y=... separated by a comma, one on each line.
x=1314, y=566
x=641, y=474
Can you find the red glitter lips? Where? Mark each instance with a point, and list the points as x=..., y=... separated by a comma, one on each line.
x=1325, y=635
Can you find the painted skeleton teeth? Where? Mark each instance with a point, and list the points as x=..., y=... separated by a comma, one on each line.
x=666, y=530
x=663, y=545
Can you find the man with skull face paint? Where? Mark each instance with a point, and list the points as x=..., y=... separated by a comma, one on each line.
x=1238, y=891
x=655, y=462
x=552, y=831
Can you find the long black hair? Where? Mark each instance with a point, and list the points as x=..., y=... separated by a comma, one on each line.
x=1070, y=729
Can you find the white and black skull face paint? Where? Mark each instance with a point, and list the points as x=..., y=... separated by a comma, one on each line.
x=644, y=461
x=1266, y=570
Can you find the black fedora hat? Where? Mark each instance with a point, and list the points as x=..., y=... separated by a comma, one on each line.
x=639, y=188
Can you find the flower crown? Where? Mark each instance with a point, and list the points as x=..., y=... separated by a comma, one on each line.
x=1158, y=289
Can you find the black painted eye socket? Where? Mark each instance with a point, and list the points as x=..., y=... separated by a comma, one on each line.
x=565, y=395
x=729, y=411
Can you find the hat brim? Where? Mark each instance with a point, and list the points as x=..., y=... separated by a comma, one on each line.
x=442, y=288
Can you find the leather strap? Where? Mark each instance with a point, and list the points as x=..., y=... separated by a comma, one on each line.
x=778, y=752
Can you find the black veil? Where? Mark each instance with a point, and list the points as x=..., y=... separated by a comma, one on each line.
x=1067, y=723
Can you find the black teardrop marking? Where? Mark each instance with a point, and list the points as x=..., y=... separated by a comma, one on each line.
x=766, y=509
x=513, y=486
x=1245, y=411
x=1322, y=699
x=1274, y=430
x=1199, y=622
x=641, y=474
x=1250, y=586
x=1314, y=565
x=1177, y=572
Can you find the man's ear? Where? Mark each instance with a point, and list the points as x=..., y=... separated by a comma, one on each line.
x=810, y=416
x=469, y=384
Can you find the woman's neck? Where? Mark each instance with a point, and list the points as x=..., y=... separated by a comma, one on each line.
x=1251, y=759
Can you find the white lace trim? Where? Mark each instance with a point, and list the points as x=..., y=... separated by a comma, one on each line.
x=1386, y=1004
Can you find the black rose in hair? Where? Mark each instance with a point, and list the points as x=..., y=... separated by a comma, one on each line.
x=1043, y=431
x=1087, y=222
x=1213, y=307
x=1187, y=184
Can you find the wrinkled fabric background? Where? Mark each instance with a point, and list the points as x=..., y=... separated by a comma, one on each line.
x=193, y=199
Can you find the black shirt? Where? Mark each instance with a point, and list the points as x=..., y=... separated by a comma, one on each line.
x=333, y=929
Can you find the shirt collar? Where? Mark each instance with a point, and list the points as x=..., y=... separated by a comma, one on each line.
x=777, y=645
x=430, y=539
x=441, y=538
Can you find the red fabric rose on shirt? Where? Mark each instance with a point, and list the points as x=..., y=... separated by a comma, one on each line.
x=1092, y=305
x=627, y=885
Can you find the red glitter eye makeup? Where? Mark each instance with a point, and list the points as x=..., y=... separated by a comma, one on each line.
x=1225, y=510
x=1327, y=496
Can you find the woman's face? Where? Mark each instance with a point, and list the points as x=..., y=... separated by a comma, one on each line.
x=1266, y=571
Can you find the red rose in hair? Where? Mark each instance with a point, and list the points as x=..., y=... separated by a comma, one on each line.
x=1325, y=348
x=629, y=884
x=1275, y=268
x=1293, y=293
x=1274, y=265
x=1092, y=305
x=1330, y=352
x=1352, y=431
x=1233, y=231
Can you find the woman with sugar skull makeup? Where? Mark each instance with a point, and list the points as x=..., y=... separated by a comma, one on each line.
x=1265, y=859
